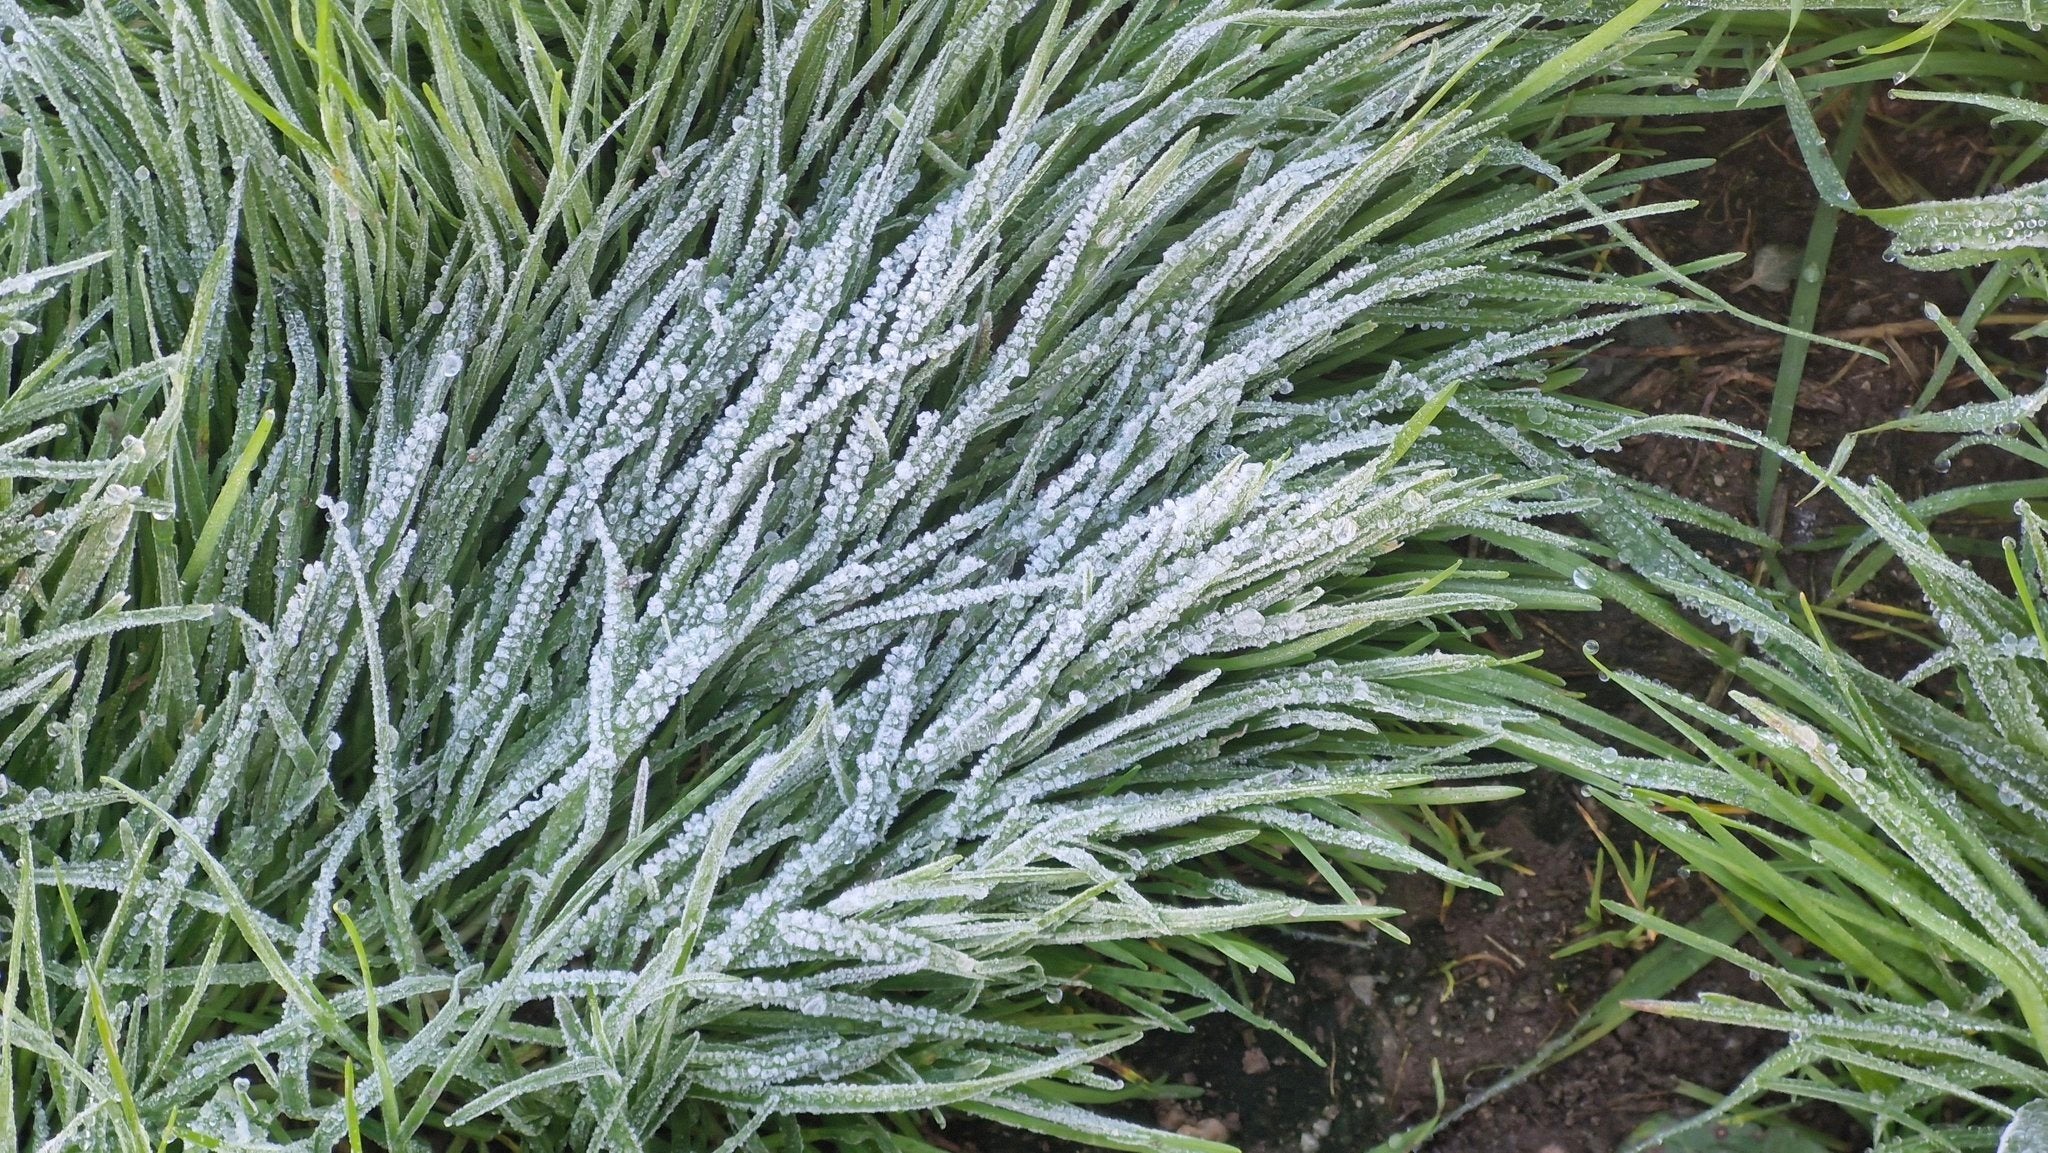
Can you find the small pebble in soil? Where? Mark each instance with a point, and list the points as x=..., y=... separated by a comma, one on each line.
x=1255, y=1062
x=1208, y=1129
x=1773, y=268
x=1361, y=986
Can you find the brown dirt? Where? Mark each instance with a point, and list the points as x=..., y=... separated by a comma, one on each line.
x=1512, y=995
x=1758, y=194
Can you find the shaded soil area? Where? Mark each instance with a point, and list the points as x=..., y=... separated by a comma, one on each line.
x=1757, y=198
x=1499, y=993
x=1481, y=989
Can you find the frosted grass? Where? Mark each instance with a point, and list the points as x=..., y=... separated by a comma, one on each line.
x=637, y=577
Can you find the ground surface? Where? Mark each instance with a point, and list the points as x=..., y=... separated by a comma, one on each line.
x=1479, y=991
x=1476, y=993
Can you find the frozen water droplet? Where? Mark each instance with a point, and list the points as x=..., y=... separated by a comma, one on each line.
x=342, y=907
x=1590, y=648
x=436, y=308
x=1583, y=578
x=450, y=363
x=1054, y=994
x=333, y=741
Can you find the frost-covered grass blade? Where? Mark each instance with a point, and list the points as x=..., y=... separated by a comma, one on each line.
x=617, y=576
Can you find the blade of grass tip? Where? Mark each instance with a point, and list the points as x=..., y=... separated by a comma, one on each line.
x=102, y=1024
x=1915, y=35
x=1990, y=292
x=1775, y=62
x=1820, y=243
x=1323, y=868
x=2017, y=571
x=1959, y=342
x=1559, y=68
x=224, y=503
x=387, y=1107
x=1412, y=430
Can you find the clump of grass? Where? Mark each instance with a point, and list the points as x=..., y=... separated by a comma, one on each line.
x=1891, y=824
x=717, y=576
x=1894, y=829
